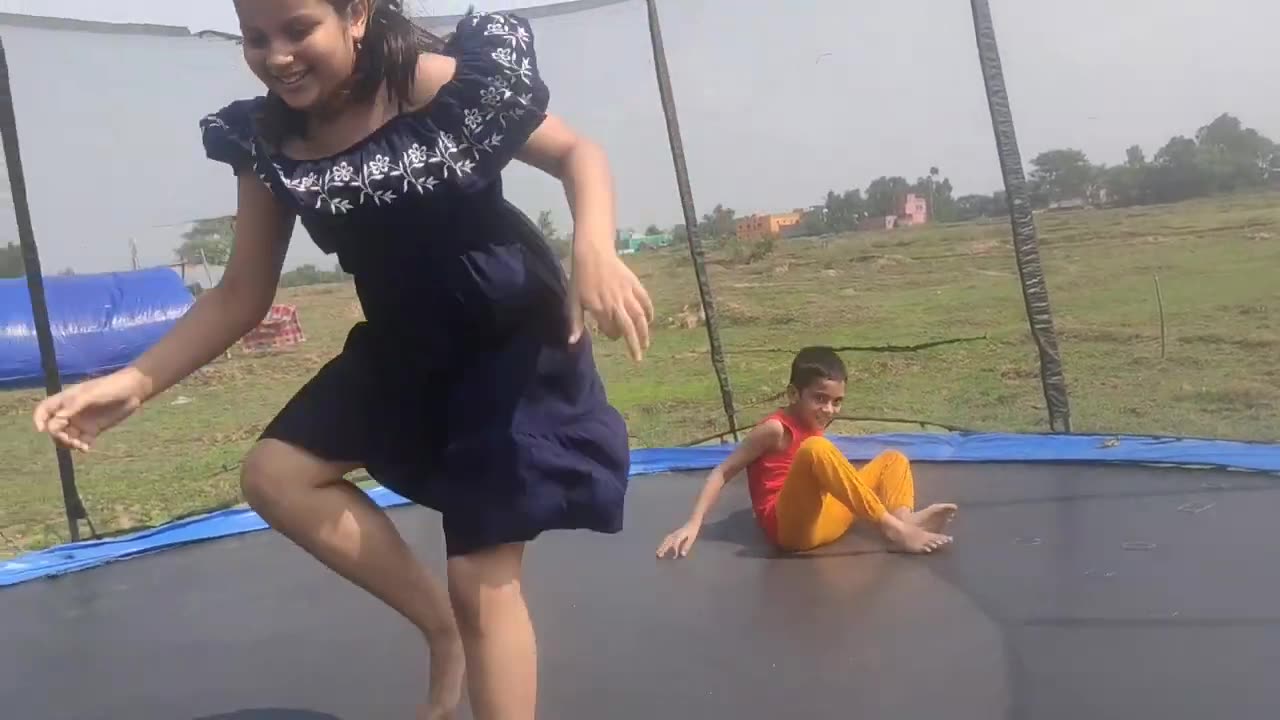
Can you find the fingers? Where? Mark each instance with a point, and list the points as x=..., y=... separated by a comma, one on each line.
x=677, y=545
x=623, y=310
x=65, y=431
x=45, y=411
x=54, y=411
x=576, y=318
x=640, y=318
x=645, y=302
x=55, y=415
x=631, y=334
x=74, y=438
x=630, y=319
x=686, y=544
x=577, y=325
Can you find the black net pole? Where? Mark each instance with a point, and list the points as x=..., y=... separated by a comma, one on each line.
x=1035, y=292
x=35, y=285
x=690, y=216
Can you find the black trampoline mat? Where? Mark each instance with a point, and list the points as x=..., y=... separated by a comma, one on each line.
x=1071, y=592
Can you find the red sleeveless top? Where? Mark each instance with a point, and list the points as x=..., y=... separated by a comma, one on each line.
x=766, y=475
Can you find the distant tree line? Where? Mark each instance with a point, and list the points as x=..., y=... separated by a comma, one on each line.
x=1223, y=157
x=211, y=239
x=311, y=275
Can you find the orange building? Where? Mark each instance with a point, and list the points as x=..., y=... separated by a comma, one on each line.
x=755, y=226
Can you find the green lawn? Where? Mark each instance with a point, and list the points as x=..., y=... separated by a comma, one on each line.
x=1216, y=260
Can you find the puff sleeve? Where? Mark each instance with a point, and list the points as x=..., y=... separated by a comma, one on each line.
x=496, y=100
x=228, y=135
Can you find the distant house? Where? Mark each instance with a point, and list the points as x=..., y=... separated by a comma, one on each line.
x=772, y=225
x=913, y=210
x=629, y=241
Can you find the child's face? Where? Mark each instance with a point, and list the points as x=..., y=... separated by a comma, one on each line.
x=817, y=404
x=302, y=50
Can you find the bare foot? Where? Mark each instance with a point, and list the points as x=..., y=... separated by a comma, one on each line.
x=933, y=518
x=909, y=538
x=448, y=671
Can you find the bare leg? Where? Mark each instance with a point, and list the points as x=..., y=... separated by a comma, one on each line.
x=502, y=658
x=307, y=500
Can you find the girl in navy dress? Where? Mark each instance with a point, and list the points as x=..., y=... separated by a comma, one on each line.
x=470, y=386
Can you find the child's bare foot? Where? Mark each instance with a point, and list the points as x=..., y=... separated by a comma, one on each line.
x=933, y=518
x=448, y=671
x=910, y=538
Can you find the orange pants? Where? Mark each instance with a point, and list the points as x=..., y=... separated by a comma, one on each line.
x=824, y=494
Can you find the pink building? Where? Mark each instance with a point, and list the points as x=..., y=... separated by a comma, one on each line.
x=915, y=210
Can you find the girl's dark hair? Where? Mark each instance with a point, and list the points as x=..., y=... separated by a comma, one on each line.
x=388, y=55
x=816, y=363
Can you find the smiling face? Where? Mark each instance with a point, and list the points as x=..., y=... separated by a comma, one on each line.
x=304, y=51
x=817, y=404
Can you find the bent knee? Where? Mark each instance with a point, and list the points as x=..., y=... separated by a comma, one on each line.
x=257, y=471
x=816, y=446
x=273, y=468
x=893, y=457
x=484, y=580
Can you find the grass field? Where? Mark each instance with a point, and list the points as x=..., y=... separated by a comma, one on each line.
x=1216, y=261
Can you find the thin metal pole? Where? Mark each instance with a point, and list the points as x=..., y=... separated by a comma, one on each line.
x=690, y=216
x=1035, y=292
x=35, y=286
x=1160, y=305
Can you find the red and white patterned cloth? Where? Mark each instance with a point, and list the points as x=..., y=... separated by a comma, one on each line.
x=279, y=329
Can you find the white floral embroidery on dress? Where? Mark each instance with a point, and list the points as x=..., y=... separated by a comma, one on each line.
x=506, y=96
x=213, y=121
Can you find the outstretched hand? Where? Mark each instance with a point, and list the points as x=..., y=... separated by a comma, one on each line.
x=76, y=416
x=604, y=286
x=679, y=543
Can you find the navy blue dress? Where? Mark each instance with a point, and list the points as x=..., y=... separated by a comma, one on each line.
x=459, y=390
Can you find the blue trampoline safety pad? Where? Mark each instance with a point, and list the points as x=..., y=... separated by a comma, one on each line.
x=1005, y=447
x=923, y=447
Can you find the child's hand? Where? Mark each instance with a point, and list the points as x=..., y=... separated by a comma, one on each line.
x=604, y=286
x=76, y=416
x=679, y=542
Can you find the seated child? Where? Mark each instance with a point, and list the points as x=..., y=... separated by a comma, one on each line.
x=805, y=494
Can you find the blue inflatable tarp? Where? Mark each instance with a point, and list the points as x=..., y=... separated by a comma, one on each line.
x=100, y=322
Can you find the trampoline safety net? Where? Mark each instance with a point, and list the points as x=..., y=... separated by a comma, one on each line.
x=854, y=179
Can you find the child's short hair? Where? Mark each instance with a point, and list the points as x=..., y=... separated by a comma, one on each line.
x=816, y=363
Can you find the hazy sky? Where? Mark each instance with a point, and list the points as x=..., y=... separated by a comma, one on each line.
x=780, y=100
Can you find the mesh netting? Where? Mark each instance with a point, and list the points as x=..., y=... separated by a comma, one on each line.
x=849, y=167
